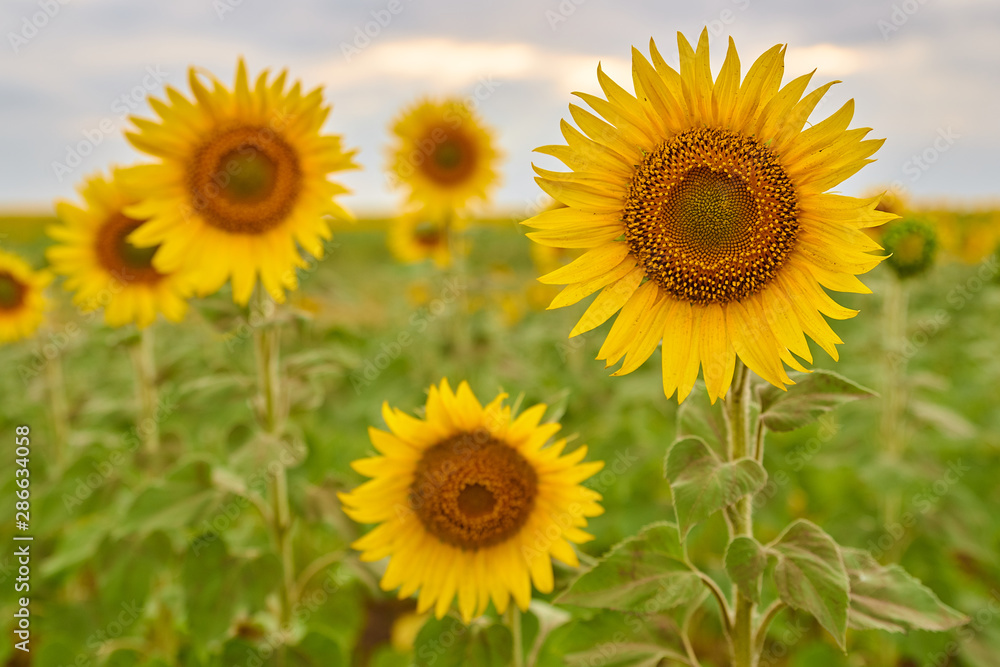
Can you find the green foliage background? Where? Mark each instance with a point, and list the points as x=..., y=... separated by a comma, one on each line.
x=169, y=563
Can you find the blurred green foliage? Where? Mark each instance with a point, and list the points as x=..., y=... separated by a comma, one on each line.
x=167, y=562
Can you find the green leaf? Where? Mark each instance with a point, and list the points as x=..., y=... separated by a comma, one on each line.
x=174, y=503
x=316, y=650
x=811, y=577
x=745, y=563
x=886, y=597
x=646, y=573
x=611, y=638
x=624, y=654
x=450, y=643
x=702, y=485
x=812, y=395
x=210, y=592
x=698, y=417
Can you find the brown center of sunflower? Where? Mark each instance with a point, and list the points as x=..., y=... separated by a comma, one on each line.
x=428, y=235
x=472, y=491
x=121, y=258
x=711, y=215
x=12, y=292
x=245, y=180
x=452, y=158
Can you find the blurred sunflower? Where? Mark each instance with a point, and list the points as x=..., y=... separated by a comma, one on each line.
x=703, y=207
x=472, y=502
x=912, y=243
x=22, y=301
x=103, y=267
x=891, y=200
x=417, y=236
x=444, y=155
x=242, y=182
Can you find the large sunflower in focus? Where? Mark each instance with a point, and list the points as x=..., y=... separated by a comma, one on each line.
x=22, y=299
x=103, y=268
x=242, y=183
x=471, y=502
x=704, y=210
x=444, y=155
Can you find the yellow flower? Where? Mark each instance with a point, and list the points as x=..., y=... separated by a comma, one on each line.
x=471, y=501
x=241, y=183
x=419, y=235
x=444, y=155
x=103, y=267
x=703, y=209
x=22, y=301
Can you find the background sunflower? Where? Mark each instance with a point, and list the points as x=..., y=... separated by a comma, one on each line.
x=103, y=268
x=443, y=155
x=22, y=302
x=242, y=182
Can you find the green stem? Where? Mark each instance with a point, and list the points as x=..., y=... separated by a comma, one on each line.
x=144, y=365
x=514, y=619
x=893, y=397
x=737, y=410
x=457, y=272
x=56, y=387
x=271, y=418
x=893, y=407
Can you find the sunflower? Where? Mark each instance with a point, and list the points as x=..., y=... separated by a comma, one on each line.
x=471, y=501
x=417, y=236
x=912, y=243
x=22, y=302
x=703, y=210
x=444, y=155
x=103, y=267
x=241, y=184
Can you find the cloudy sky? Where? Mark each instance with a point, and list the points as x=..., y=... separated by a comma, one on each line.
x=925, y=74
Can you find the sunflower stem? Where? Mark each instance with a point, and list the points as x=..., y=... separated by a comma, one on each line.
x=514, y=620
x=144, y=365
x=56, y=390
x=894, y=398
x=737, y=410
x=271, y=419
x=459, y=321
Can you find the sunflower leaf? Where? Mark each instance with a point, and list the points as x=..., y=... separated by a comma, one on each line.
x=886, y=597
x=697, y=417
x=811, y=577
x=645, y=573
x=702, y=485
x=745, y=563
x=812, y=395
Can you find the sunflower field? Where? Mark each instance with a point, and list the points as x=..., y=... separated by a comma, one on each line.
x=247, y=427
